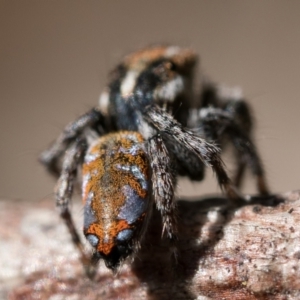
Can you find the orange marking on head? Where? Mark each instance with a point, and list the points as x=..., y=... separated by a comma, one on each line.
x=182, y=57
x=140, y=59
x=107, y=237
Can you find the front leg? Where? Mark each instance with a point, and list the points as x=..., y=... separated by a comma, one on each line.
x=207, y=152
x=163, y=182
x=51, y=156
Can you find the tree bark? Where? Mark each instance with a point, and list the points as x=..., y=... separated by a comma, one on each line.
x=251, y=252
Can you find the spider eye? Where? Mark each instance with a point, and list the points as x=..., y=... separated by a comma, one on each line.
x=169, y=65
x=93, y=239
x=172, y=66
x=125, y=235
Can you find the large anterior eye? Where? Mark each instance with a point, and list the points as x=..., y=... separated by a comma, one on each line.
x=93, y=239
x=172, y=66
x=125, y=235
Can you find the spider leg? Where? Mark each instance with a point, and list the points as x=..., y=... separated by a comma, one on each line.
x=207, y=152
x=239, y=174
x=231, y=103
x=230, y=100
x=163, y=183
x=51, y=155
x=64, y=191
x=187, y=162
x=216, y=123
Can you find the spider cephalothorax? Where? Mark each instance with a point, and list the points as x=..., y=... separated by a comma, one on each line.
x=162, y=131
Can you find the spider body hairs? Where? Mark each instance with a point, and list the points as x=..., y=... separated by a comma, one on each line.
x=147, y=128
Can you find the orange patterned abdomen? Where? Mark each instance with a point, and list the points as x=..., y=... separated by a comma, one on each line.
x=116, y=194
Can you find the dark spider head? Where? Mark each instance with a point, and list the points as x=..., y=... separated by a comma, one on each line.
x=162, y=72
x=167, y=74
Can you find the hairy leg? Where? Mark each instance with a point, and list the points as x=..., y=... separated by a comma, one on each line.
x=207, y=152
x=216, y=124
x=163, y=182
x=231, y=101
x=187, y=162
x=51, y=156
x=64, y=191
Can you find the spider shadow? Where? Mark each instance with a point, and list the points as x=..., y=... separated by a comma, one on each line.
x=200, y=228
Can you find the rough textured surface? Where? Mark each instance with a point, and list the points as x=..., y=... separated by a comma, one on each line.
x=248, y=253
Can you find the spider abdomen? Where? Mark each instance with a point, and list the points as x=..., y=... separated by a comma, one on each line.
x=116, y=194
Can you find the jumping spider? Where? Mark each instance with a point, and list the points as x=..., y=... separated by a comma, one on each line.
x=136, y=141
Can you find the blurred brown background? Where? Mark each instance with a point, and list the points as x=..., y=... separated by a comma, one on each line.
x=54, y=57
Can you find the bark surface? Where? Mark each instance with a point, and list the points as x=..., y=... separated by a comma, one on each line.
x=252, y=252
